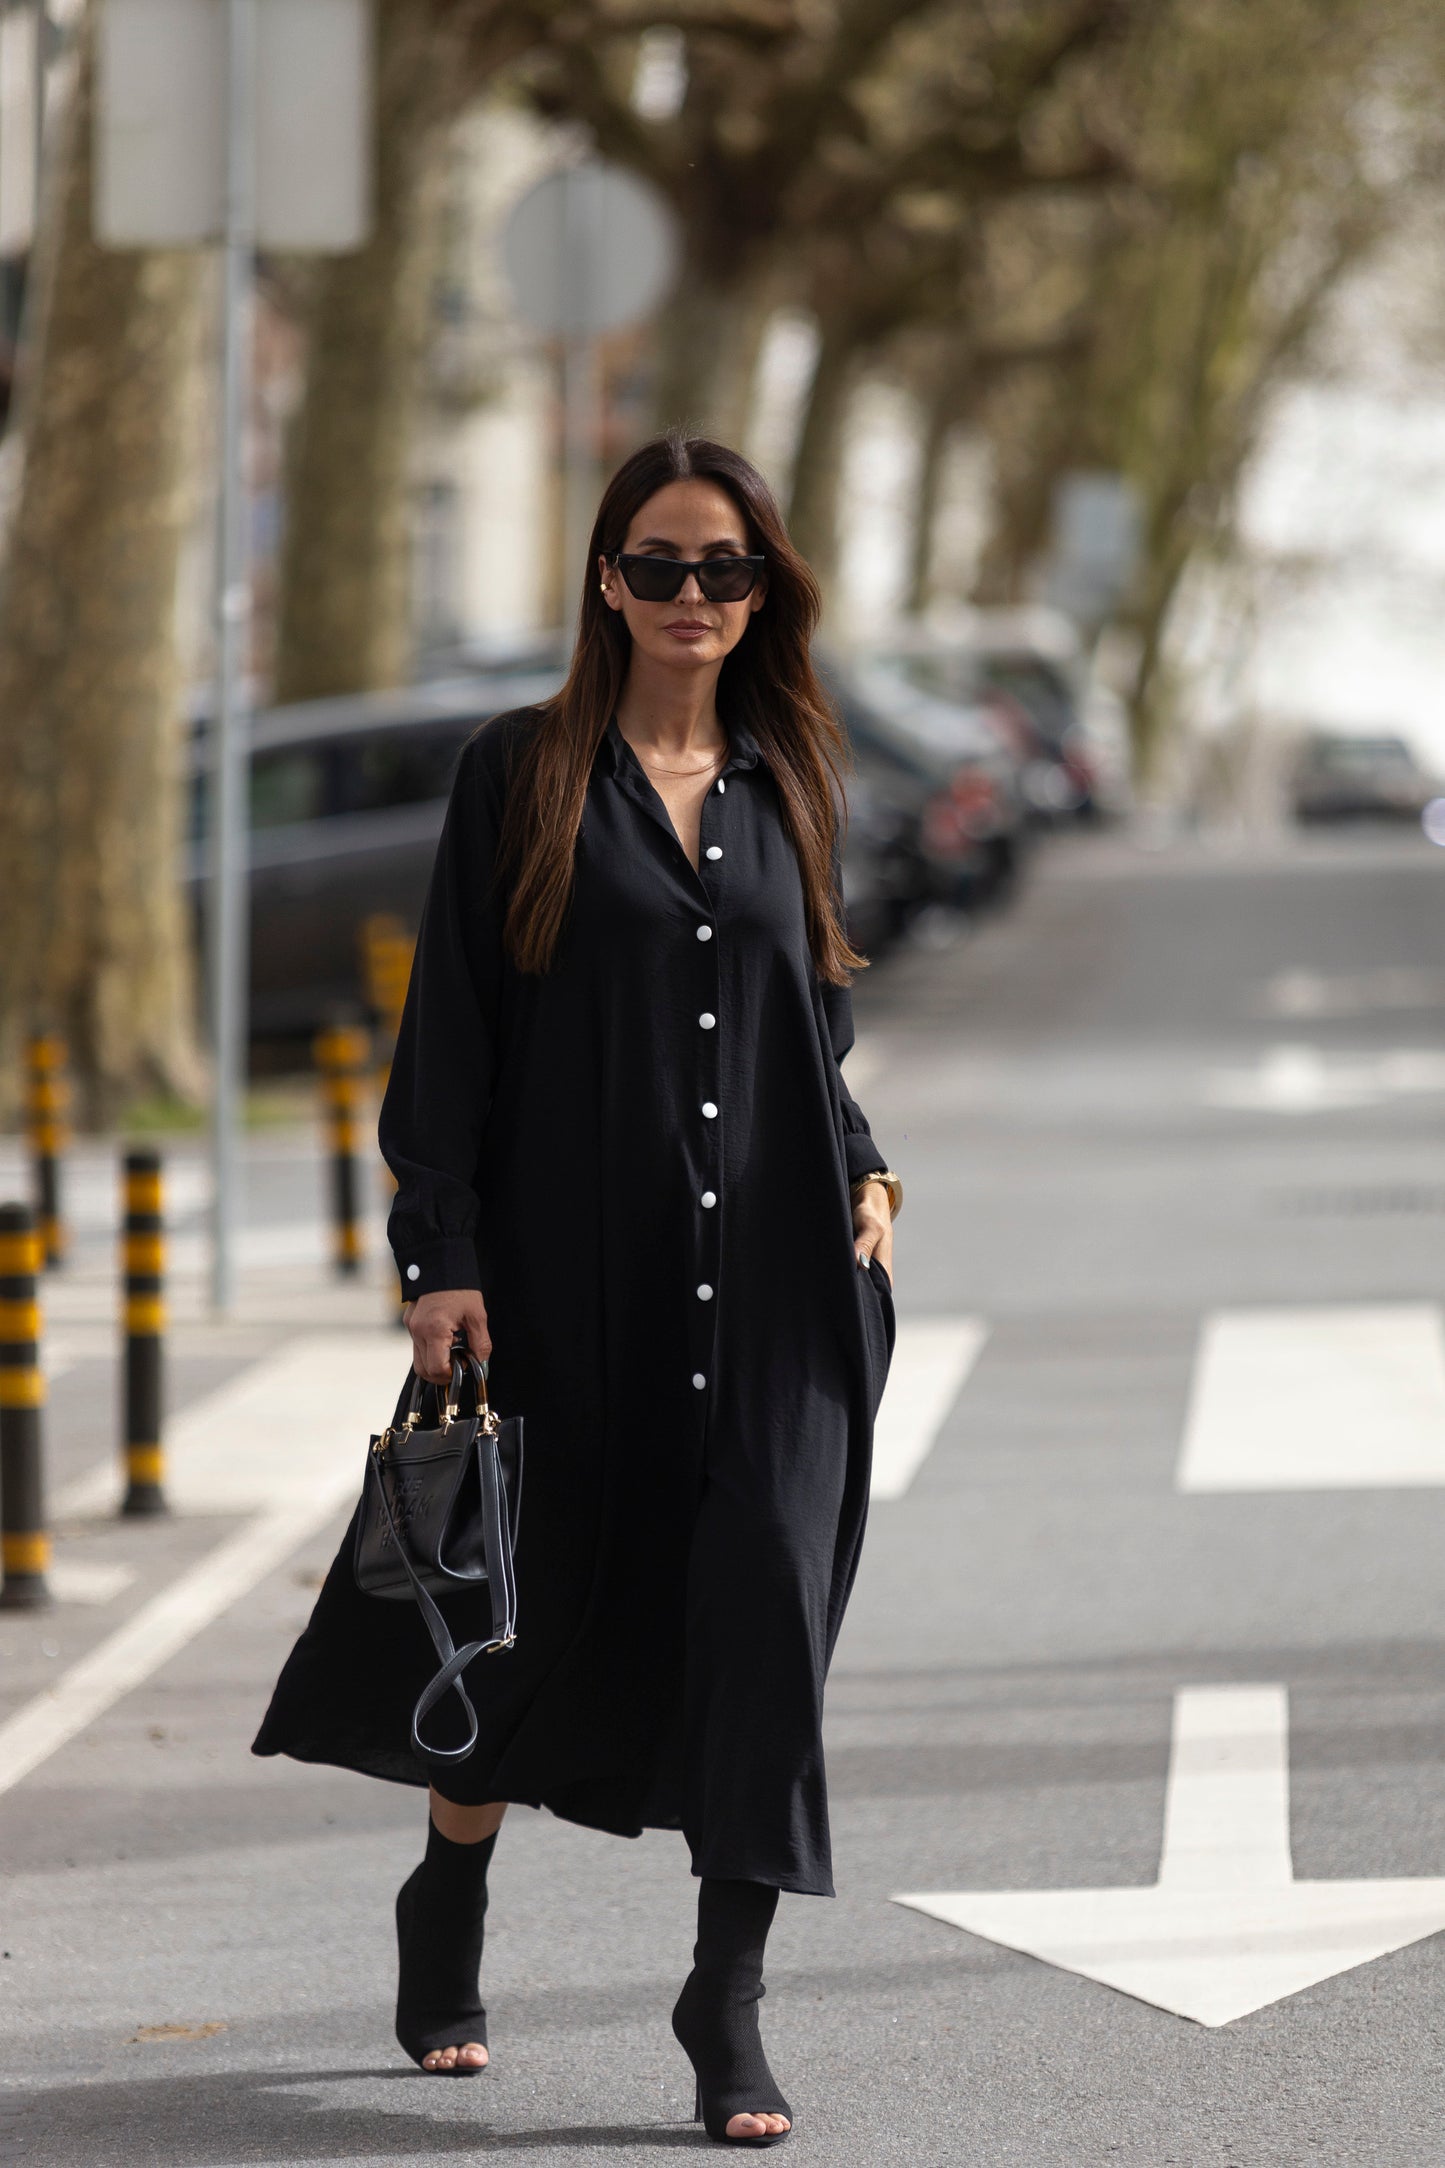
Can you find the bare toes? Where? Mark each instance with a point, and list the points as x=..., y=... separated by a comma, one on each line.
x=748, y=2126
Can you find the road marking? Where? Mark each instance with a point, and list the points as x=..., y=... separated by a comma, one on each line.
x=157, y=1632
x=269, y=1433
x=1312, y=993
x=1291, y=1079
x=1226, y=1929
x=1338, y=1398
x=79, y=1580
x=932, y=1359
x=288, y=1437
x=865, y=1060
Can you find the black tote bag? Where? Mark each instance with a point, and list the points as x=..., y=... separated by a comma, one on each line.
x=439, y=1514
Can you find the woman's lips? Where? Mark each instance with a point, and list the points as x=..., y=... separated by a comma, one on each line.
x=688, y=632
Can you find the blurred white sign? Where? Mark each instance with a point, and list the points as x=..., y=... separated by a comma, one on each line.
x=18, y=118
x=589, y=249
x=1095, y=546
x=161, y=123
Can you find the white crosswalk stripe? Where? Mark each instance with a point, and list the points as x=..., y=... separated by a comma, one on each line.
x=931, y=1364
x=1343, y=1397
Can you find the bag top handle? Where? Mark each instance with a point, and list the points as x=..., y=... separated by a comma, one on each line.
x=464, y=1363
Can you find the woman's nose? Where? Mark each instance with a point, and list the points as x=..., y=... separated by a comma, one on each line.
x=690, y=591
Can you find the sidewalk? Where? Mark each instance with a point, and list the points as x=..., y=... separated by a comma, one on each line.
x=268, y=1412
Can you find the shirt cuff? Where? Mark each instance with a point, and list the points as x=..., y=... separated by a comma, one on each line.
x=449, y=1262
x=862, y=1154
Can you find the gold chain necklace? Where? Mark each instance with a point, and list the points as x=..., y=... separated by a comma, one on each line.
x=713, y=763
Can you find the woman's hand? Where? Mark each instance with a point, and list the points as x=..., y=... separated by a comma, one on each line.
x=873, y=1227
x=434, y=1321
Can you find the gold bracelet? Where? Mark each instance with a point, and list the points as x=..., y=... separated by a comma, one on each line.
x=892, y=1182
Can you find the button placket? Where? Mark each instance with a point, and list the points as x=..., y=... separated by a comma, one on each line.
x=709, y=1128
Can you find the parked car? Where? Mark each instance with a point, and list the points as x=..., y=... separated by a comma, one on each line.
x=1357, y=775
x=347, y=799
x=1024, y=693
x=973, y=815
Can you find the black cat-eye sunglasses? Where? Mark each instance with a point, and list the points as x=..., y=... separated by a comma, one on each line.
x=660, y=579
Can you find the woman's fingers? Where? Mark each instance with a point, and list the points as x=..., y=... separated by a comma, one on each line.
x=435, y=1320
x=473, y=1321
x=873, y=1237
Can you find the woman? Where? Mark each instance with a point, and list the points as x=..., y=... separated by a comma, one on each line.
x=629, y=1170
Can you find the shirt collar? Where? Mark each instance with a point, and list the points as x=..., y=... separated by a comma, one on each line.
x=745, y=751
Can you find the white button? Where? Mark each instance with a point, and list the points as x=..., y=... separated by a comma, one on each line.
x=704, y=933
x=721, y=788
x=709, y=1110
x=698, y=1380
x=413, y=1272
x=707, y=1020
x=708, y=1199
x=704, y=1293
x=714, y=850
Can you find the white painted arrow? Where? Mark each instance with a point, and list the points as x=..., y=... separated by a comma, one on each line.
x=1226, y=1928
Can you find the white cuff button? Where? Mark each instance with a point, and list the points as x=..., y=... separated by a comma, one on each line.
x=709, y=1199
x=413, y=1272
x=707, y=1020
x=704, y=1293
x=709, y=1110
x=699, y=1380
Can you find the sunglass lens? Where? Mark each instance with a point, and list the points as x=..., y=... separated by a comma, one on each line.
x=727, y=579
x=653, y=579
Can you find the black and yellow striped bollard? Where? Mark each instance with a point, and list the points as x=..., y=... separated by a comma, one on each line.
x=143, y=1259
x=24, y=1541
x=47, y=1104
x=342, y=1055
x=386, y=949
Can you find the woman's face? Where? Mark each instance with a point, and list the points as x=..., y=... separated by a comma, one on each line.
x=692, y=520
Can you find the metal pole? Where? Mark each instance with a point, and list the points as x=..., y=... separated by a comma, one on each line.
x=37, y=109
x=143, y=1319
x=342, y=1055
x=48, y=1102
x=230, y=752
x=24, y=1538
x=580, y=381
x=581, y=386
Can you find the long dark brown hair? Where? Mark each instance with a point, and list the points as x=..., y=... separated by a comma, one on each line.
x=768, y=683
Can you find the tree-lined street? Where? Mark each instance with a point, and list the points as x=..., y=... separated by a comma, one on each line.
x=1175, y=1115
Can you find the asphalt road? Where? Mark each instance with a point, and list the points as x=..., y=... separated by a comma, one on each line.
x=1164, y=1087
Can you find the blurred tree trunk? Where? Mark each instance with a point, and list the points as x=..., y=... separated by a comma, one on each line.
x=93, y=929
x=345, y=600
x=813, y=506
x=709, y=337
x=938, y=426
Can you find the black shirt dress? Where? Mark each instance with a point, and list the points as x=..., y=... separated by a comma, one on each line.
x=642, y=1158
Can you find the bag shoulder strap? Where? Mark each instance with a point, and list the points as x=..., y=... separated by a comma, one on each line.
x=453, y=1660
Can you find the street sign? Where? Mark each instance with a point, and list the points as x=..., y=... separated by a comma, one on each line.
x=1226, y=1929
x=588, y=249
x=1095, y=546
x=160, y=151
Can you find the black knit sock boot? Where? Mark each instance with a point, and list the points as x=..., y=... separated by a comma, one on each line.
x=440, y=1911
x=716, y=2019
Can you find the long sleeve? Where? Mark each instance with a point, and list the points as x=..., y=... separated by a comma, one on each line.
x=862, y=1153
x=447, y=1051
